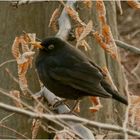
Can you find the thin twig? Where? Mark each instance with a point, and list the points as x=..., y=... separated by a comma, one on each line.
x=6, y=117
x=8, y=61
x=69, y=118
x=11, y=75
x=127, y=46
x=16, y=132
x=58, y=121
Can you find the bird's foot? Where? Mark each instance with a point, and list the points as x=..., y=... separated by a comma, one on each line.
x=57, y=103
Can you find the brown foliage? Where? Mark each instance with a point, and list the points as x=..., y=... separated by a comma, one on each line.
x=87, y=3
x=73, y=14
x=37, y=122
x=96, y=104
x=134, y=4
x=54, y=19
x=24, y=58
x=101, y=11
x=16, y=94
x=81, y=32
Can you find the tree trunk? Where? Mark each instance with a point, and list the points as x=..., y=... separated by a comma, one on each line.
x=35, y=18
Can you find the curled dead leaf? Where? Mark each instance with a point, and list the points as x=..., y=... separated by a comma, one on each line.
x=134, y=4
x=96, y=104
x=54, y=19
x=88, y=3
x=73, y=14
x=37, y=122
x=23, y=58
x=36, y=44
x=86, y=31
x=16, y=94
x=109, y=78
x=101, y=11
x=15, y=48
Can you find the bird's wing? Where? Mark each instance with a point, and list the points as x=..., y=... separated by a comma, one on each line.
x=81, y=76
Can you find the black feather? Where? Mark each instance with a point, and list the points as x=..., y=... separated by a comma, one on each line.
x=69, y=74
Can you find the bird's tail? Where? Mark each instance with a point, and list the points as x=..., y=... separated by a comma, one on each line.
x=114, y=93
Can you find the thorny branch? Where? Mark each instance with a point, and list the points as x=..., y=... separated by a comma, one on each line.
x=69, y=118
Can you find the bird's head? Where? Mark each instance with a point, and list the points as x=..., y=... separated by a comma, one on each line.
x=49, y=44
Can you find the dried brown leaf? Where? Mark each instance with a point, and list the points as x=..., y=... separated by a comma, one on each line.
x=86, y=31
x=32, y=36
x=88, y=3
x=23, y=58
x=134, y=4
x=81, y=32
x=100, y=41
x=26, y=38
x=22, y=70
x=78, y=31
x=16, y=94
x=37, y=122
x=15, y=48
x=101, y=11
x=23, y=64
x=110, y=41
x=35, y=127
x=24, y=44
x=96, y=104
x=108, y=78
x=106, y=33
x=84, y=44
x=54, y=19
x=65, y=134
x=73, y=14
x=109, y=44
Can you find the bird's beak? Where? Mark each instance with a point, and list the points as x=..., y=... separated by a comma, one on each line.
x=36, y=44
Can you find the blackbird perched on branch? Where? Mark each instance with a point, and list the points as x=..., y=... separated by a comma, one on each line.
x=70, y=74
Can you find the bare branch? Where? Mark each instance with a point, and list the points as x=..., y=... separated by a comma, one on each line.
x=64, y=22
x=8, y=61
x=69, y=118
x=127, y=46
x=16, y=132
x=63, y=109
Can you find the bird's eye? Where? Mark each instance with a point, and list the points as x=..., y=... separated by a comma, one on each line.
x=50, y=47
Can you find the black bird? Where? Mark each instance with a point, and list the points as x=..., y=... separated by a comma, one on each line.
x=70, y=74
